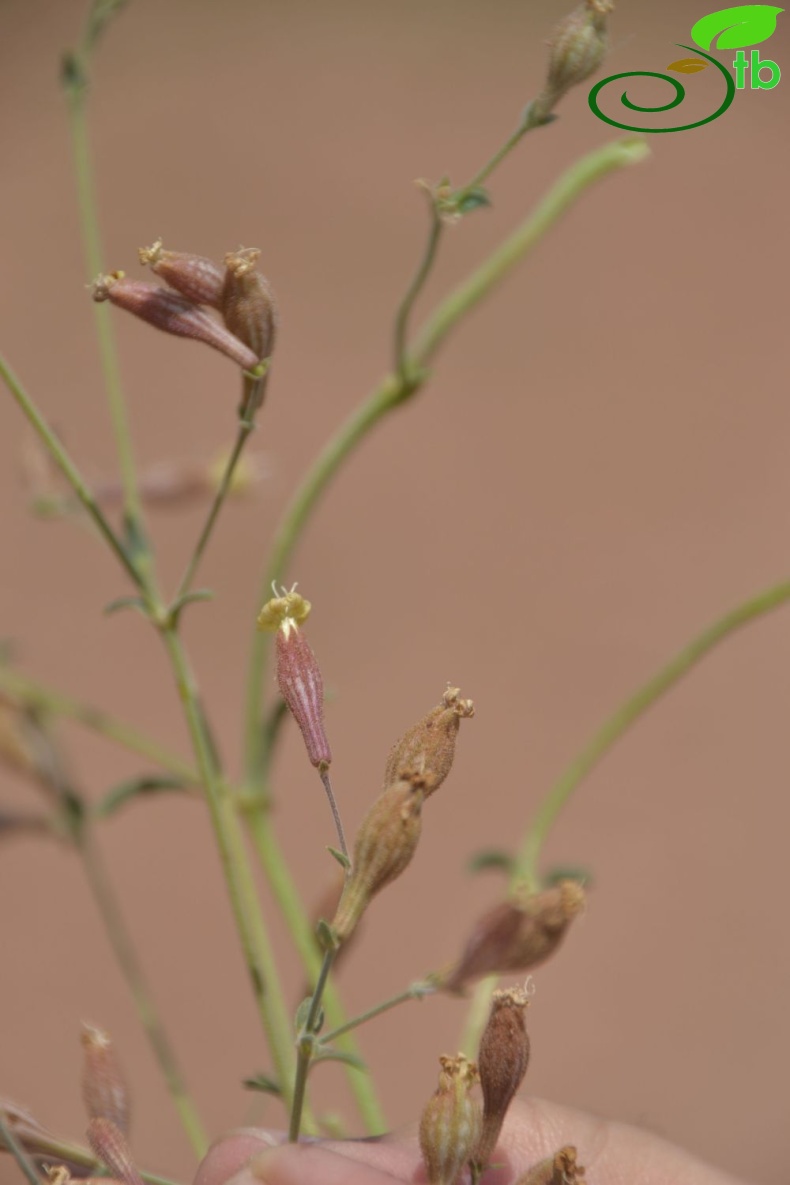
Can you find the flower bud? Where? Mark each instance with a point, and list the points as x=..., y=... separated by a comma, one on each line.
x=298, y=673
x=424, y=755
x=515, y=936
x=577, y=49
x=386, y=841
x=559, y=1169
x=247, y=302
x=112, y=1149
x=502, y=1061
x=450, y=1124
x=195, y=277
x=104, y=1090
x=172, y=313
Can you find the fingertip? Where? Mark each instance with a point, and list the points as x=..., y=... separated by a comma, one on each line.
x=228, y=1155
x=305, y=1164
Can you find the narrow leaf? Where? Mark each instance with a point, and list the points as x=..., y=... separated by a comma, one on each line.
x=121, y=794
x=263, y=1083
x=328, y=1053
x=126, y=603
x=341, y=858
x=490, y=858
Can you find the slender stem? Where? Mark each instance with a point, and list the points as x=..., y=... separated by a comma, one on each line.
x=526, y=867
x=563, y=194
x=305, y=1046
x=36, y=695
x=416, y=991
x=413, y=291
x=530, y=119
x=286, y=894
x=341, y=835
x=17, y=1151
x=393, y=390
x=67, y=468
x=245, y=428
x=477, y=1016
x=76, y=83
x=123, y=947
x=238, y=877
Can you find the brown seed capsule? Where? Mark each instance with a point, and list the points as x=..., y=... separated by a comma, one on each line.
x=559, y=1169
x=386, y=841
x=516, y=936
x=172, y=313
x=112, y=1149
x=247, y=302
x=298, y=674
x=104, y=1090
x=577, y=49
x=424, y=755
x=450, y=1124
x=195, y=277
x=502, y=1061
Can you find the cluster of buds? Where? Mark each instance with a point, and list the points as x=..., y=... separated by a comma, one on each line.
x=455, y=1131
x=576, y=50
x=238, y=292
x=388, y=835
x=517, y=935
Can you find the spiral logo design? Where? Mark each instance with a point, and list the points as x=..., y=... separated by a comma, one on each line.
x=680, y=94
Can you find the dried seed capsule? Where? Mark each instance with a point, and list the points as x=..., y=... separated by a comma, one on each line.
x=502, y=1061
x=450, y=1124
x=559, y=1169
x=298, y=673
x=112, y=1148
x=104, y=1090
x=195, y=277
x=424, y=755
x=247, y=302
x=386, y=841
x=577, y=49
x=172, y=313
x=515, y=936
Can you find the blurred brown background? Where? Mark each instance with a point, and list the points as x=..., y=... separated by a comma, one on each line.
x=598, y=469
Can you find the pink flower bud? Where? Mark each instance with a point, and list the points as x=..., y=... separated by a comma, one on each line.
x=195, y=277
x=172, y=313
x=103, y=1087
x=112, y=1149
x=298, y=673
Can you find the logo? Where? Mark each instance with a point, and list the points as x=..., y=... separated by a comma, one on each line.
x=730, y=28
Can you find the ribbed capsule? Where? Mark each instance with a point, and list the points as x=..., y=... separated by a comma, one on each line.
x=385, y=843
x=560, y=1169
x=172, y=313
x=247, y=302
x=576, y=50
x=450, y=1123
x=199, y=279
x=104, y=1089
x=112, y=1149
x=424, y=755
x=517, y=935
x=502, y=1062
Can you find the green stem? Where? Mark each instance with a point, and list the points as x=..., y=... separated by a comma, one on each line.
x=477, y=1016
x=562, y=195
x=394, y=390
x=76, y=83
x=245, y=428
x=36, y=695
x=414, y=289
x=305, y=1046
x=416, y=991
x=286, y=894
x=123, y=947
x=17, y=1151
x=238, y=877
x=526, y=867
x=68, y=469
x=530, y=120
x=43, y=1144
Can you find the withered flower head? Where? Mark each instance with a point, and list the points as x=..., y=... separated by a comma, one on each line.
x=450, y=1124
x=424, y=755
x=247, y=302
x=103, y=1087
x=385, y=843
x=517, y=935
x=502, y=1060
x=559, y=1169
x=298, y=673
x=577, y=49
x=195, y=277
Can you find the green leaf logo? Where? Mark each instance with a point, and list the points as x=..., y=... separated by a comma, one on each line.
x=748, y=24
